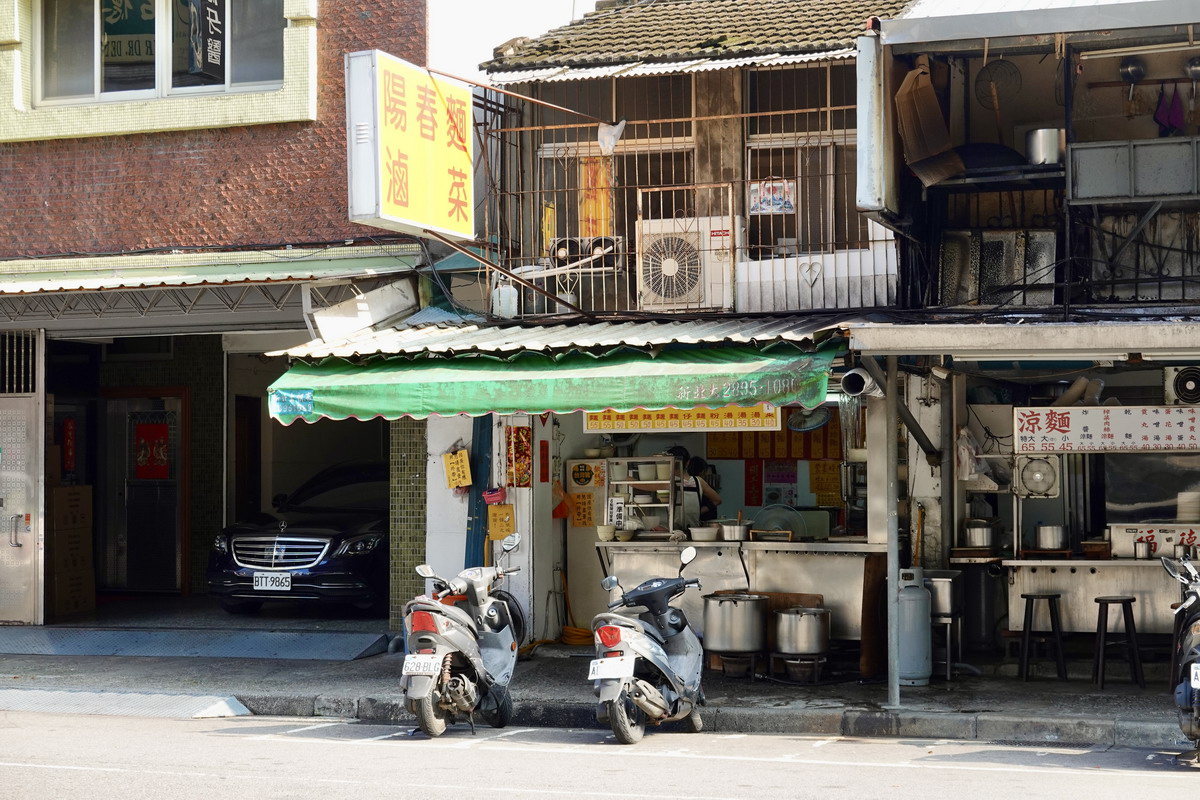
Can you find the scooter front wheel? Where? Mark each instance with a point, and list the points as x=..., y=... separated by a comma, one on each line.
x=501, y=713
x=429, y=720
x=627, y=720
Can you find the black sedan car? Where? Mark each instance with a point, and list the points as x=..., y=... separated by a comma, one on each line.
x=326, y=542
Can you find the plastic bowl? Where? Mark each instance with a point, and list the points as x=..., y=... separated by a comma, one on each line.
x=704, y=534
x=625, y=536
x=643, y=498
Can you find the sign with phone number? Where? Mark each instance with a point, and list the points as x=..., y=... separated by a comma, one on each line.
x=1106, y=429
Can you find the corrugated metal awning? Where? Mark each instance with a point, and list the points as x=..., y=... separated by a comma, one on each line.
x=413, y=337
x=949, y=20
x=1063, y=341
x=553, y=74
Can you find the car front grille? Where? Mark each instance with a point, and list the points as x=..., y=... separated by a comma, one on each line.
x=278, y=552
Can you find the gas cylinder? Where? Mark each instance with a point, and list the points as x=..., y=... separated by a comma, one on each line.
x=916, y=647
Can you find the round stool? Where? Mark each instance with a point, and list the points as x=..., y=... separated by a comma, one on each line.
x=1130, y=641
x=1027, y=635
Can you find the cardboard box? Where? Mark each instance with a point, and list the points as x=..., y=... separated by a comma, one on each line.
x=928, y=150
x=70, y=592
x=68, y=507
x=53, y=465
x=68, y=550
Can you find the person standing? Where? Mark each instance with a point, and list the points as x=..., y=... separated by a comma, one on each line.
x=694, y=492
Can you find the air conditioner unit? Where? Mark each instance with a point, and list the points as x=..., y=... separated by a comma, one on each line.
x=606, y=251
x=1181, y=386
x=1037, y=476
x=687, y=264
x=566, y=250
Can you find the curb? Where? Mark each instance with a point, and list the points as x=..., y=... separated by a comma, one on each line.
x=1081, y=731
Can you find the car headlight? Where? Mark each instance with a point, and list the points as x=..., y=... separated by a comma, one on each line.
x=359, y=545
x=220, y=544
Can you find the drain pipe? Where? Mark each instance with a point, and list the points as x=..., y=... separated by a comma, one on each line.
x=891, y=452
x=948, y=511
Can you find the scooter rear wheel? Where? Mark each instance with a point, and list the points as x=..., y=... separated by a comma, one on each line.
x=430, y=722
x=627, y=720
x=501, y=714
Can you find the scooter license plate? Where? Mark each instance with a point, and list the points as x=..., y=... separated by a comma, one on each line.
x=1195, y=675
x=615, y=667
x=418, y=664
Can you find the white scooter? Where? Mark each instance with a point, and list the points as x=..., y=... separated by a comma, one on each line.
x=647, y=668
x=461, y=647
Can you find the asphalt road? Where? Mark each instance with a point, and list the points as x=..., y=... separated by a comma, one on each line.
x=56, y=756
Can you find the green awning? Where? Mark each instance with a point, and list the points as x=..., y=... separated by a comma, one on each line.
x=476, y=385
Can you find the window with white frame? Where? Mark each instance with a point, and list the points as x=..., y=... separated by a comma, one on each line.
x=135, y=49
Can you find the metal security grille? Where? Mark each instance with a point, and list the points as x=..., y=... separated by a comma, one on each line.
x=278, y=552
x=19, y=356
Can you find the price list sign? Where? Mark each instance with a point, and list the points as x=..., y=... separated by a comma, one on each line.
x=1106, y=429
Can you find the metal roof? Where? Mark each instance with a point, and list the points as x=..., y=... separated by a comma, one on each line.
x=951, y=20
x=507, y=340
x=636, y=68
x=170, y=270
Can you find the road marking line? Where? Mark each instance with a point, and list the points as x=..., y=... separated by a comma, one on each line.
x=298, y=730
x=171, y=773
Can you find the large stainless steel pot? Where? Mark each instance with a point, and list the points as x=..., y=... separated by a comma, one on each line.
x=1046, y=145
x=735, y=623
x=1051, y=537
x=802, y=631
x=979, y=536
x=734, y=531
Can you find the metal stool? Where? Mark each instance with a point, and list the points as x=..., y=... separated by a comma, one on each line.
x=1027, y=634
x=1130, y=641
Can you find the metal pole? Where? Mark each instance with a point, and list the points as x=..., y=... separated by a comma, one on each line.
x=893, y=536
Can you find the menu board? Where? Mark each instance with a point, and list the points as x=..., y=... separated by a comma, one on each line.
x=1105, y=429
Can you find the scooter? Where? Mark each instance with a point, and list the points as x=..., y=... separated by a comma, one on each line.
x=461, y=649
x=647, y=668
x=1185, y=662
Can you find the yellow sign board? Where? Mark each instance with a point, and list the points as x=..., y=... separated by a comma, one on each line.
x=762, y=417
x=501, y=521
x=458, y=469
x=411, y=148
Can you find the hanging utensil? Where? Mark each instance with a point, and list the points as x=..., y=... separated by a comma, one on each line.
x=1192, y=70
x=1132, y=69
x=996, y=83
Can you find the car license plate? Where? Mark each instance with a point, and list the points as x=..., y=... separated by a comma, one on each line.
x=417, y=664
x=615, y=667
x=272, y=581
x=1195, y=675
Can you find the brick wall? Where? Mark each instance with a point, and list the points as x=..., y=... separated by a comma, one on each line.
x=226, y=187
x=408, y=467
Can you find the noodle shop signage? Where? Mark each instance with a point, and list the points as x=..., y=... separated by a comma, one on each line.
x=761, y=417
x=1106, y=429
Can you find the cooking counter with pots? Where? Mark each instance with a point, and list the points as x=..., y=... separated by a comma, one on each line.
x=836, y=570
x=1080, y=581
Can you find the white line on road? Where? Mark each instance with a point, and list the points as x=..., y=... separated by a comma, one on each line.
x=299, y=730
x=224, y=776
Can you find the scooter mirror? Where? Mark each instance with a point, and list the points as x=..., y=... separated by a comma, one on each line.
x=510, y=542
x=687, y=555
x=609, y=583
x=1169, y=566
x=425, y=571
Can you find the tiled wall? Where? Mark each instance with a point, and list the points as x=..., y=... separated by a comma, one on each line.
x=408, y=466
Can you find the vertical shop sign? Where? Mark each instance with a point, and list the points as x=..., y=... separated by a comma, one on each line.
x=519, y=454
x=206, y=39
x=411, y=148
x=68, y=444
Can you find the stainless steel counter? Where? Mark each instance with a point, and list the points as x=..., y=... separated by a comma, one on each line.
x=831, y=569
x=1081, y=581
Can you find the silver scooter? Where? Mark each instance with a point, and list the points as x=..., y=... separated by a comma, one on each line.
x=647, y=668
x=1185, y=661
x=461, y=649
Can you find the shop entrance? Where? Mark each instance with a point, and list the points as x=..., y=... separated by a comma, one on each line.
x=141, y=493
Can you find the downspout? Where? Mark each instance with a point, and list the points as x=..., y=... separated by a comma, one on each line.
x=947, y=469
x=891, y=452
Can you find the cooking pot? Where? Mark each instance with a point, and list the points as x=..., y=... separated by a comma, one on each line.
x=802, y=631
x=735, y=623
x=1051, y=537
x=1045, y=145
x=979, y=536
x=734, y=531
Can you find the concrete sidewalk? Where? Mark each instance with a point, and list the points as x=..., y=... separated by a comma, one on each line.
x=549, y=689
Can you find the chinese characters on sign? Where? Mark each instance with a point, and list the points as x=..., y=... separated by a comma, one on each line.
x=762, y=417
x=412, y=148
x=206, y=39
x=1105, y=429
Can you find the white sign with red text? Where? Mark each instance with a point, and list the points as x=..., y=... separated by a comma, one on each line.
x=1105, y=429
